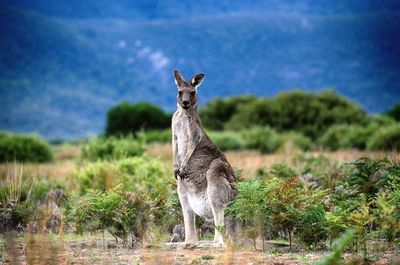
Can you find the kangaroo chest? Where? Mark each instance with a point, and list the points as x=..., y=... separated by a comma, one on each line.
x=183, y=130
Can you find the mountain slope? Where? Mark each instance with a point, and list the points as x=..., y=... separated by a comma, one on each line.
x=58, y=76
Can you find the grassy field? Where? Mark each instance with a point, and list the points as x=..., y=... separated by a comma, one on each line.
x=65, y=246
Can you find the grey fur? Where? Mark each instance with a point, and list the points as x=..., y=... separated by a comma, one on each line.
x=205, y=178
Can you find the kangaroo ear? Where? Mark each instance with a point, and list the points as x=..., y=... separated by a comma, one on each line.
x=197, y=80
x=179, y=80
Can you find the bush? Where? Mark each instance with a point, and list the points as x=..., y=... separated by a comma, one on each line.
x=318, y=169
x=227, y=140
x=276, y=206
x=394, y=112
x=156, y=136
x=251, y=209
x=312, y=224
x=119, y=212
x=368, y=176
x=264, y=139
x=24, y=148
x=16, y=201
x=297, y=140
x=126, y=118
x=386, y=138
x=339, y=247
x=343, y=136
x=138, y=174
x=217, y=112
x=103, y=148
x=298, y=111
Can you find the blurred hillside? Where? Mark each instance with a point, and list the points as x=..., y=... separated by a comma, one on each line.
x=63, y=64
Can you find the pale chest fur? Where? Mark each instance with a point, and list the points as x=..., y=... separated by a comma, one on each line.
x=182, y=130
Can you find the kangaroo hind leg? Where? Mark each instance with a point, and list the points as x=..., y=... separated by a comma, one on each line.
x=220, y=193
x=189, y=217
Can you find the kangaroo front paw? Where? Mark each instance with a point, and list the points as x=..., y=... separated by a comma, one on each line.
x=182, y=173
x=177, y=173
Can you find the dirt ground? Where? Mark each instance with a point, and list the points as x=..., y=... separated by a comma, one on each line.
x=72, y=249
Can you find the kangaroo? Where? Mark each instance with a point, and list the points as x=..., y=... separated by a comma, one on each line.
x=205, y=178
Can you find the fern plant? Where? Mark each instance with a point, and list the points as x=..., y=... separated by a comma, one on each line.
x=339, y=247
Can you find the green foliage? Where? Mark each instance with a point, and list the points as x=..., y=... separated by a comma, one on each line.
x=312, y=224
x=250, y=207
x=227, y=140
x=119, y=212
x=319, y=169
x=217, y=112
x=110, y=148
x=344, y=136
x=385, y=138
x=250, y=203
x=282, y=171
x=296, y=110
x=16, y=201
x=42, y=187
x=137, y=174
x=156, y=136
x=394, y=112
x=360, y=219
x=296, y=140
x=338, y=248
x=335, y=223
x=264, y=139
x=368, y=176
x=25, y=148
x=277, y=206
x=126, y=118
x=386, y=215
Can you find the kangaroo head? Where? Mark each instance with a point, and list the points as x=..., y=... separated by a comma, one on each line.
x=187, y=90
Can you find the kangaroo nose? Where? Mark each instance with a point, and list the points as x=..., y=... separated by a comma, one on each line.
x=185, y=103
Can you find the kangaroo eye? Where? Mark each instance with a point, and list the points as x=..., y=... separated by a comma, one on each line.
x=193, y=93
x=180, y=93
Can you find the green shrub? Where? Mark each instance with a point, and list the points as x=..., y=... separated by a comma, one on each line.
x=119, y=212
x=276, y=206
x=264, y=139
x=297, y=110
x=156, y=136
x=282, y=171
x=24, y=148
x=16, y=201
x=368, y=176
x=335, y=223
x=137, y=174
x=217, y=112
x=377, y=121
x=312, y=223
x=126, y=118
x=42, y=187
x=320, y=169
x=251, y=209
x=110, y=148
x=385, y=138
x=258, y=112
x=338, y=248
x=394, y=112
x=227, y=140
x=344, y=136
x=385, y=215
x=297, y=140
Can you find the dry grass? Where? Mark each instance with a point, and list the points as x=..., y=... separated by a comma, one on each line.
x=249, y=161
x=61, y=169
